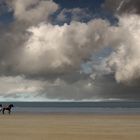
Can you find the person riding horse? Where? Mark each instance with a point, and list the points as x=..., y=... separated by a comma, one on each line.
x=8, y=108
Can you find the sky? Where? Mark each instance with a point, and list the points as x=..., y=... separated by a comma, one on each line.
x=69, y=50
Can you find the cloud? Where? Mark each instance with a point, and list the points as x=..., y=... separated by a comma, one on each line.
x=14, y=34
x=75, y=14
x=62, y=47
x=10, y=85
x=123, y=6
x=20, y=88
x=101, y=88
x=33, y=11
x=124, y=61
x=24, y=48
x=40, y=59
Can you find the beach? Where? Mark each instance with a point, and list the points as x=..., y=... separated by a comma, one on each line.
x=62, y=126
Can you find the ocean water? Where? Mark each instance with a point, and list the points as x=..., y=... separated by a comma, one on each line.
x=117, y=107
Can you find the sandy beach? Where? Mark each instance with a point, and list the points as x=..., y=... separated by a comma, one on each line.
x=69, y=127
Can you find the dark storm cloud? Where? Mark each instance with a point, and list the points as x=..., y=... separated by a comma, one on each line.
x=103, y=88
x=111, y=89
x=11, y=39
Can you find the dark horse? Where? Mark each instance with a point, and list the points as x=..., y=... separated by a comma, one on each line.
x=8, y=108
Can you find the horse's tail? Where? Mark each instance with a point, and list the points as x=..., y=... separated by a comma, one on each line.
x=1, y=107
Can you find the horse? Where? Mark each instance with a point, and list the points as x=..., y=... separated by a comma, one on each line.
x=7, y=108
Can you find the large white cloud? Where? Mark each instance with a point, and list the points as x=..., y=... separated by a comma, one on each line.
x=60, y=49
x=125, y=60
x=55, y=49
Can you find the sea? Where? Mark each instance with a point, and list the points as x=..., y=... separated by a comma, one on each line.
x=107, y=107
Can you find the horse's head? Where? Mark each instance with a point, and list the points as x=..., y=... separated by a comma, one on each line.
x=11, y=105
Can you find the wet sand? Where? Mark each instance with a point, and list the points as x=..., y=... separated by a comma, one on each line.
x=69, y=127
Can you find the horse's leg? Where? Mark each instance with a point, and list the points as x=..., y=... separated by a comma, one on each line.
x=3, y=111
x=9, y=111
